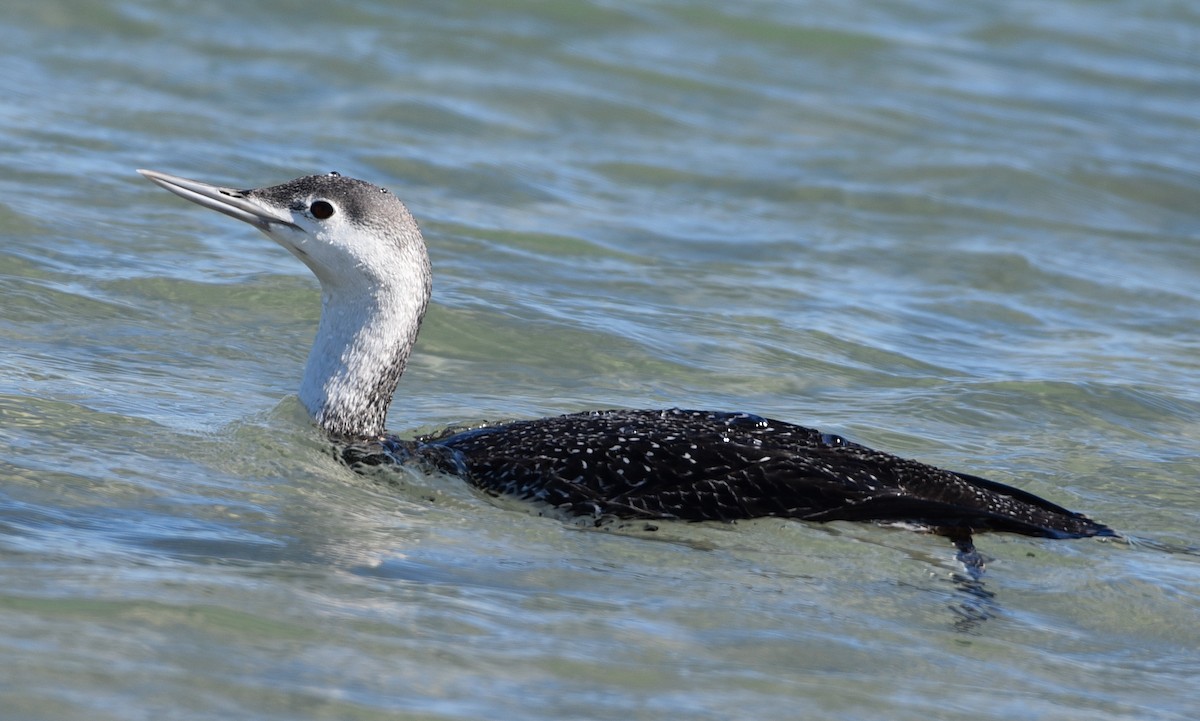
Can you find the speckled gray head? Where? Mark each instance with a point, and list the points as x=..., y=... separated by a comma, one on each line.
x=347, y=231
x=367, y=252
x=323, y=196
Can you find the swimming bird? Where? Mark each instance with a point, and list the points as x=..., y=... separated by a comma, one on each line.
x=368, y=253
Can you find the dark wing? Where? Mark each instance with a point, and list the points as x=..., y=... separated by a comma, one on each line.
x=699, y=465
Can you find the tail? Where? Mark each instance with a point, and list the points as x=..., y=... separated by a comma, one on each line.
x=962, y=504
x=1011, y=509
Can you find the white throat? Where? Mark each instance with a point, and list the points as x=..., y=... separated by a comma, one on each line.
x=362, y=346
x=375, y=286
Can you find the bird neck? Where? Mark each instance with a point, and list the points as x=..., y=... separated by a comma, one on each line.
x=363, y=343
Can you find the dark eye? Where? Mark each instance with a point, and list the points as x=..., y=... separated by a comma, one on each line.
x=321, y=209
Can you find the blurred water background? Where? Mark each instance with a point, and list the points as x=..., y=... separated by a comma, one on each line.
x=962, y=232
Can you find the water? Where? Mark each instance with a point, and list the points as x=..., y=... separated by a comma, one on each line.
x=964, y=232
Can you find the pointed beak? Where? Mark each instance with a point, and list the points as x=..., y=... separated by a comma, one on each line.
x=231, y=202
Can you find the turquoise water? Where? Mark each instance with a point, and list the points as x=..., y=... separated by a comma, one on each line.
x=963, y=232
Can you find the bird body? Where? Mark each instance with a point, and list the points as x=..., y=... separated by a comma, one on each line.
x=370, y=258
x=692, y=465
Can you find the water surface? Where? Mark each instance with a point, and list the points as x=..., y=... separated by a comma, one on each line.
x=966, y=233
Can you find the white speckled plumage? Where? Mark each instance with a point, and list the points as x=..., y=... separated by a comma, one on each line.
x=368, y=254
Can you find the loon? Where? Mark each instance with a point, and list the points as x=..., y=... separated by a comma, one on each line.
x=368, y=253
